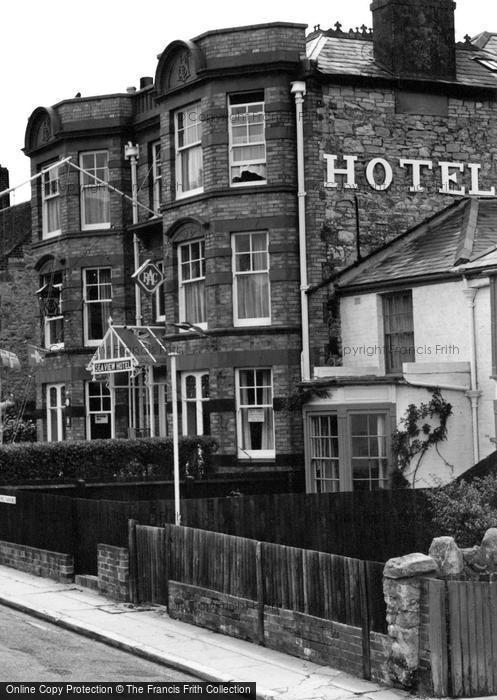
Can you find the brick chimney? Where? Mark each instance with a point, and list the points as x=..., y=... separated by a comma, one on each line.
x=415, y=38
x=4, y=185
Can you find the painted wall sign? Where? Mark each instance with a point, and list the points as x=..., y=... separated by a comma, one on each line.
x=8, y=499
x=106, y=366
x=341, y=170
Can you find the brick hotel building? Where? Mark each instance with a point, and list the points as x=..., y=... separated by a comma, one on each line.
x=268, y=160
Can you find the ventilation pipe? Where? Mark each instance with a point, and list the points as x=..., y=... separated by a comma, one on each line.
x=473, y=394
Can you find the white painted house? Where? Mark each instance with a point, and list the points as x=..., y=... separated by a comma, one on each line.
x=419, y=313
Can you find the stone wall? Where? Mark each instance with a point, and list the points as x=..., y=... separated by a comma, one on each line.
x=39, y=562
x=113, y=571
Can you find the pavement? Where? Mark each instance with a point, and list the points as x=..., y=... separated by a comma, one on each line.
x=149, y=632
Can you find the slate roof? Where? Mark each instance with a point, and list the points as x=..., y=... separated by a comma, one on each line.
x=465, y=233
x=486, y=41
x=15, y=229
x=339, y=55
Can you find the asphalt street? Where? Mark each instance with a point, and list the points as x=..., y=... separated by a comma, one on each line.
x=34, y=650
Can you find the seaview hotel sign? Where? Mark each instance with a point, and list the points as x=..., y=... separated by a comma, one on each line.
x=341, y=170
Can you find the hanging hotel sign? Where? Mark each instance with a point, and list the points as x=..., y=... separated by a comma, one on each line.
x=148, y=277
x=379, y=173
x=109, y=366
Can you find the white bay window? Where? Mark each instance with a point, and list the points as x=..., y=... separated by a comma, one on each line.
x=97, y=300
x=255, y=415
x=191, y=275
x=188, y=142
x=95, y=198
x=50, y=198
x=251, y=289
x=247, y=140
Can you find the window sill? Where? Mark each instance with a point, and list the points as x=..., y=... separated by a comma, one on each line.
x=95, y=227
x=252, y=322
x=249, y=183
x=256, y=456
x=51, y=234
x=190, y=193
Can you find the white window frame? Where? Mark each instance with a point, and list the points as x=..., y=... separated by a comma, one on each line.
x=343, y=414
x=199, y=400
x=93, y=342
x=235, y=120
x=182, y=282
x=158, y=297
x=255, y=321
x=263, y=454
x=89, y=412
x=156, y=176
x=189, y=113
x=93, y=183
x=50, y=180
x=59, y=412
x=49, y=321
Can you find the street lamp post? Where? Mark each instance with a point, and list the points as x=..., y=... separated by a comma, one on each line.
x=173, y=354
x=177, y=513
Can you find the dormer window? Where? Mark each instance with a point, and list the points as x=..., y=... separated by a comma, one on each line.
x=247, y=139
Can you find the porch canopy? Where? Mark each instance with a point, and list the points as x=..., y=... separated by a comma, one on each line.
x=128, y=349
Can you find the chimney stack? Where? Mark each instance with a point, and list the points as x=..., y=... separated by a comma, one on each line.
x=415, y=38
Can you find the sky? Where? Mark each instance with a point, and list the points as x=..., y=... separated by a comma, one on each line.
x=51, y=50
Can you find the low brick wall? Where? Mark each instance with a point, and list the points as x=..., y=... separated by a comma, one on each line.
x=236, y=617
x=113, y=571
x=39, y=562
x=321, y=641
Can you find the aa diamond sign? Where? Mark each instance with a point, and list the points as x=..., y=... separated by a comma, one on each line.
x=149, y=277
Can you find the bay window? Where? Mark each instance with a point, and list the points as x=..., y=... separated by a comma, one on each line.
x=55, y=395
x=247, y=141
x=97, y=300
x=188, y=142
x=255, y=419
x=50, y=198
x=95, y=198
x=251, y=292
x=191, y=274
x=348, y=448
x=52, y=318
x=195, y=398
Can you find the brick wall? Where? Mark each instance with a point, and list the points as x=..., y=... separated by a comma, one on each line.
x=113, y=571
x=321, y=641
x=39, y=562
x=236, y=617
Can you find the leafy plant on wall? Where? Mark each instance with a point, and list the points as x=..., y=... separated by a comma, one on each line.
x=420, y=428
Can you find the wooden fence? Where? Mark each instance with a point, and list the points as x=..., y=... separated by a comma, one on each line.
x=324, y=585
x=463, y=637
x=385, y=523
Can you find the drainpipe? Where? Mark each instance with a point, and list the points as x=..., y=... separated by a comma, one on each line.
x=473, y=394
x=132, y=153
x=299, y=90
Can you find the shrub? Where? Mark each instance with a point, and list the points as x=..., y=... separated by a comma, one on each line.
x=465, y=510
x=105, y=460
x=17, y=429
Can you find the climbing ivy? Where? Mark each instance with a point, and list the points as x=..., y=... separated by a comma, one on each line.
x=414, y=436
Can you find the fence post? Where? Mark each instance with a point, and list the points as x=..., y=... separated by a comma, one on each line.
x=133, y=563
x=366, y=623
x=259, y=570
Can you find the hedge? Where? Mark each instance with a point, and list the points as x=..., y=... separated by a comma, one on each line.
x=104, y=460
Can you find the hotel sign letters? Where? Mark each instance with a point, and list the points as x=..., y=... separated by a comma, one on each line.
x=106, y=366
x=379, y=173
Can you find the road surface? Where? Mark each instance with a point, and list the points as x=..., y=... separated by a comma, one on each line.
x=35, y=650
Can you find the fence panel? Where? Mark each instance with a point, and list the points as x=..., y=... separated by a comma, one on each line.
x=472, y=607
x=152, y=575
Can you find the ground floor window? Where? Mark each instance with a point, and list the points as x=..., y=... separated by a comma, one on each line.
x=348, y=448
x=55, y=403
x=195, y=403
x=255, y=419
x=98, y=411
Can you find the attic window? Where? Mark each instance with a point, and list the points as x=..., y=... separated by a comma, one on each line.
x=488, y=63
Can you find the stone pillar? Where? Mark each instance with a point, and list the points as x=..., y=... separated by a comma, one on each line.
x=402, y=591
